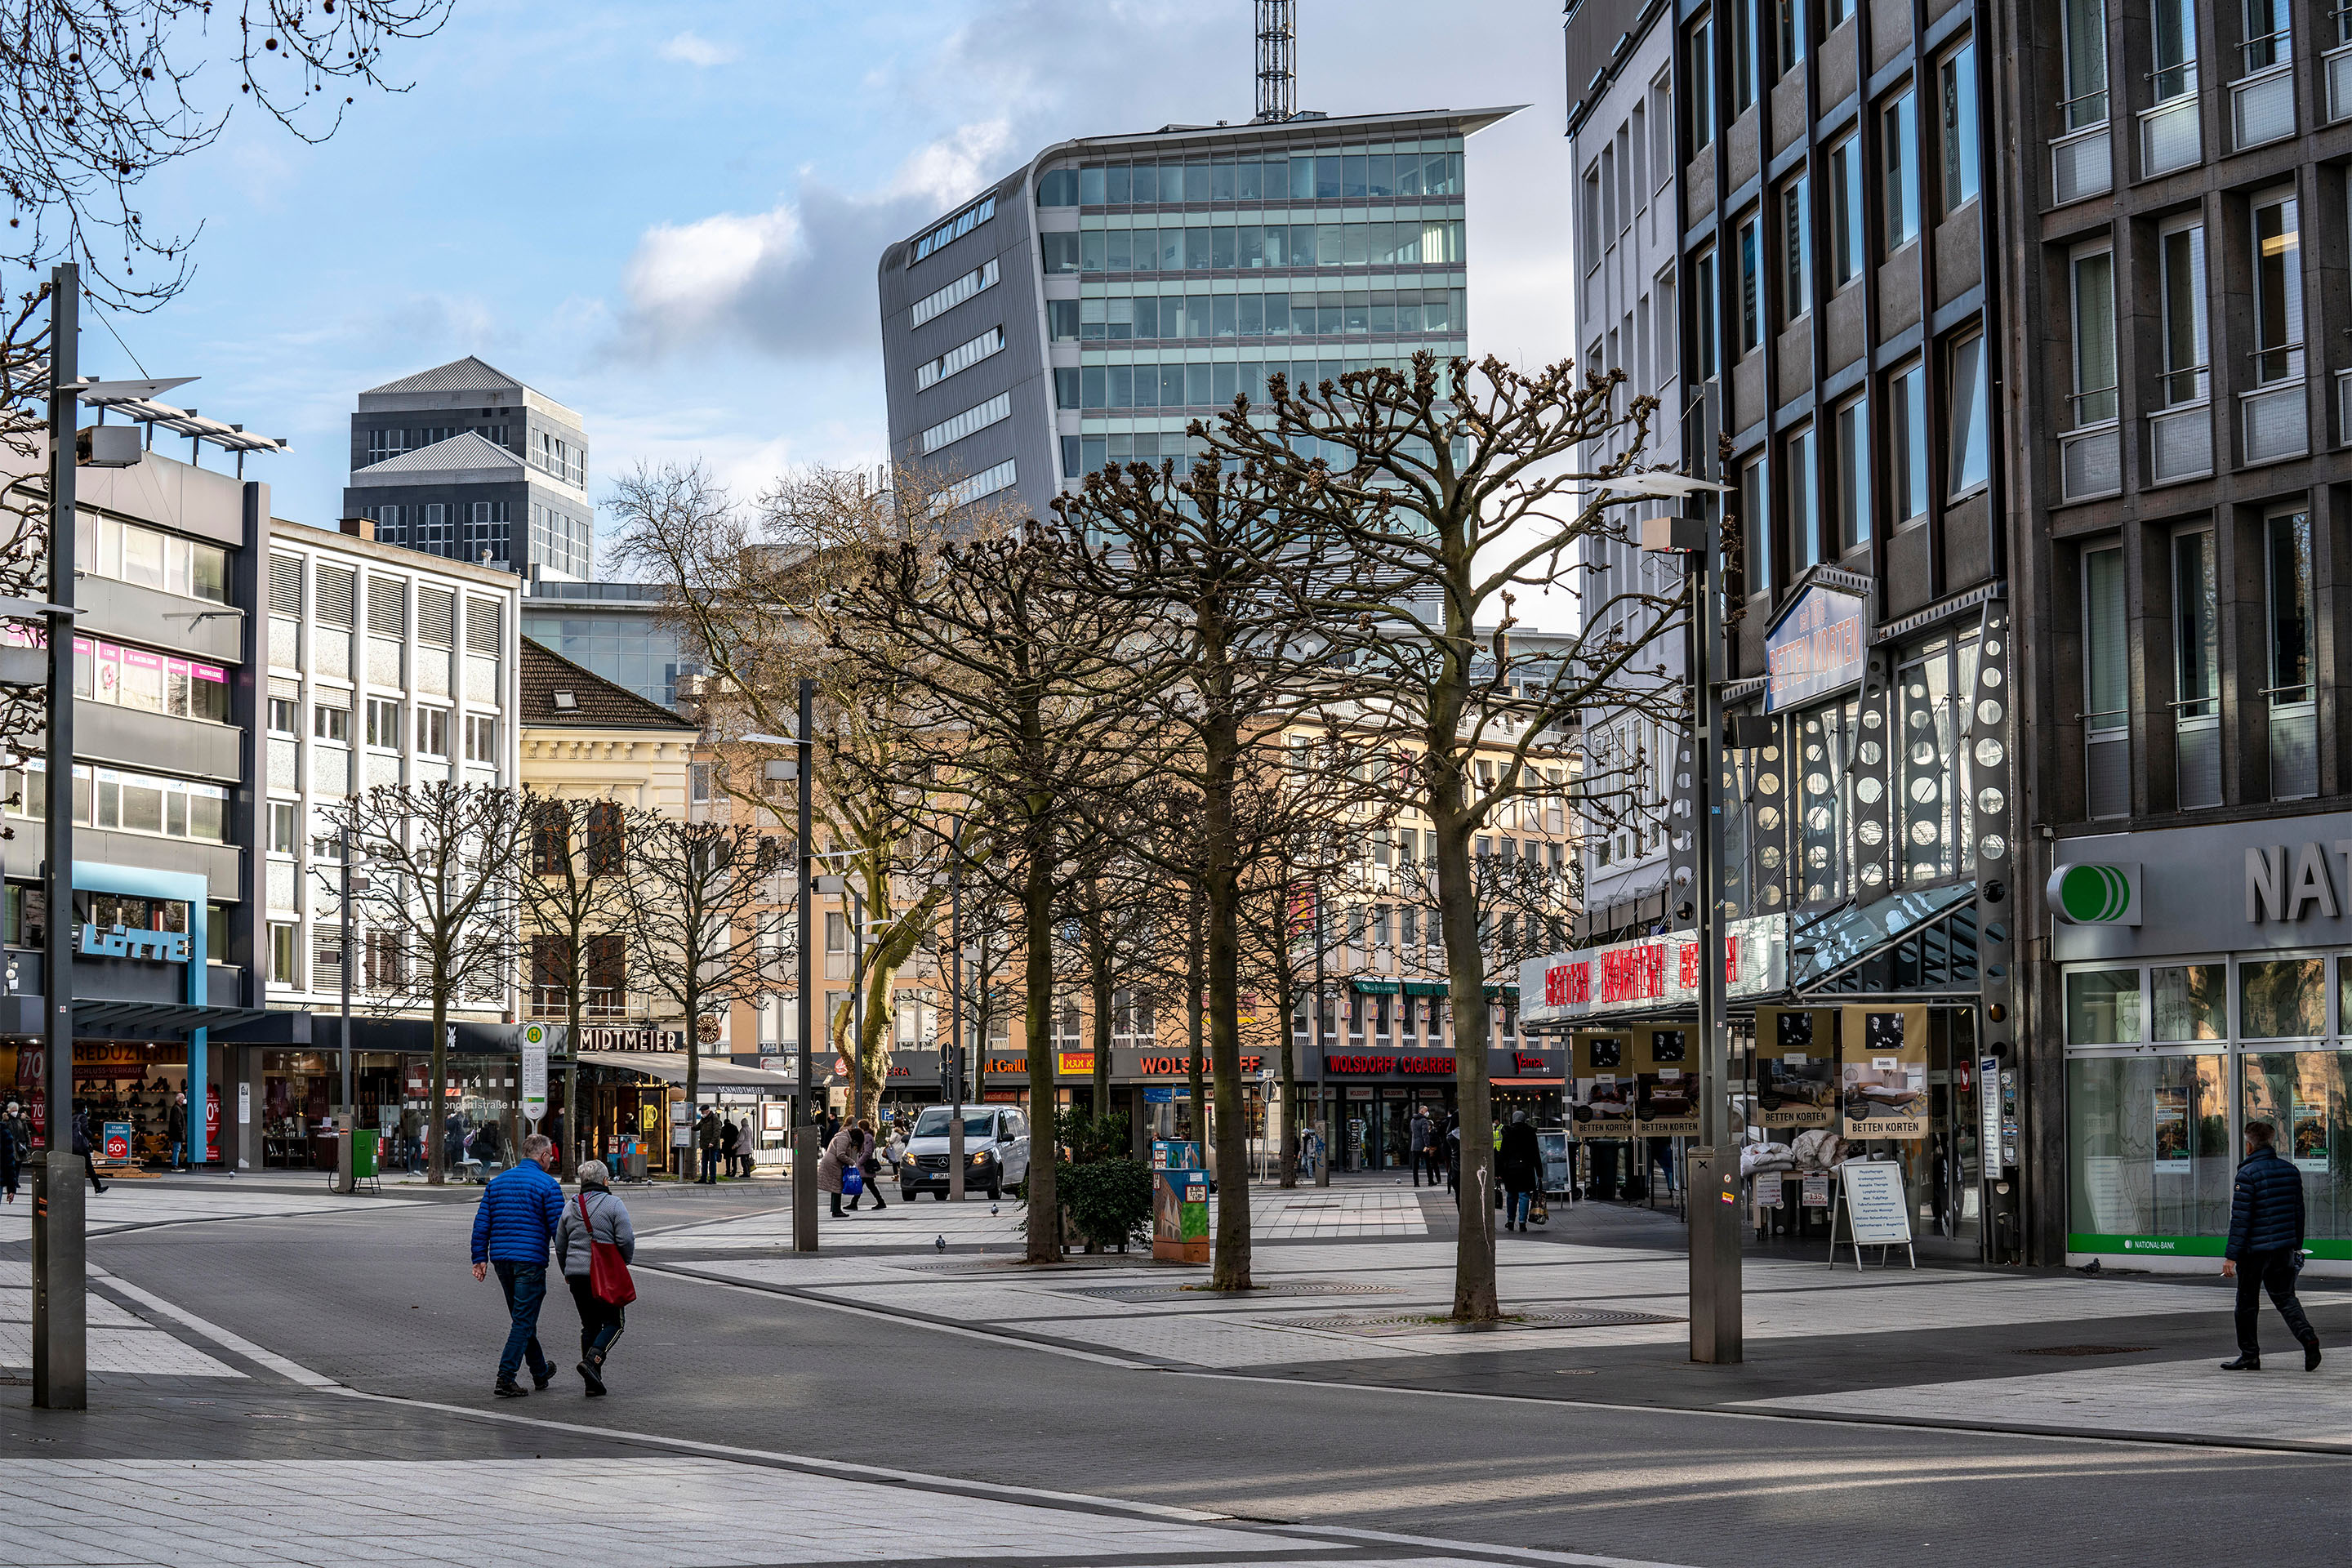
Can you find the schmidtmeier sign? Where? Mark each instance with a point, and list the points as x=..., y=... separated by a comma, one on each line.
x=1820, y=645
x=2279, y=882
x=1654, y=974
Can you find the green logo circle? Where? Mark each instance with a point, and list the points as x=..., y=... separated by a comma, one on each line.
x=2095, y=895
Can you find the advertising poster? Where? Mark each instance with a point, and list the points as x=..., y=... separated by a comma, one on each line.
x=1882, y=1075
x=1603, y=1067
x=2172, y=1130
x=2307, y=1135
x=1666, y=1067
x=1796, y=1065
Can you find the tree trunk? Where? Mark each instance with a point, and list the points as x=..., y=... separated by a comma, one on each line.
x=1194, y=985
x=693, y=1066
x=570, y=1153
x=436, y=1098
x=1221, y=888
x=1286, y=1001
x=875, y=1038
x=1457, y=912
x=1098, y=984
x=1044, y=1219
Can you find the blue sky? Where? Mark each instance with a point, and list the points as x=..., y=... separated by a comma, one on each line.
x=667, y=215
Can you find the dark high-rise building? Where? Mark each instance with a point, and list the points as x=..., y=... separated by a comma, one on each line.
x=464, y=461
x=1086, y=307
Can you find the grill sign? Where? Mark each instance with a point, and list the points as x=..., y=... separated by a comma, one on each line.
x=1818, y=647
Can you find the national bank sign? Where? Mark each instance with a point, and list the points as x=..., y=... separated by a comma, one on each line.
x=2282, y=882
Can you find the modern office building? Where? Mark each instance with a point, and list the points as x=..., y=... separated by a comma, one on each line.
x=1088, y=306
x=1627, y=237
x=2180, y=344
x=465, y=462
x=614, y=628
x=1831, y=194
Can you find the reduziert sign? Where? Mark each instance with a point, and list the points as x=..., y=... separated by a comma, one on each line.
x=2282, y=882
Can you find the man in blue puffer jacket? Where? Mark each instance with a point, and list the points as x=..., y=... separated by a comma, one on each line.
x=2265, y=1248
x=513, y=1226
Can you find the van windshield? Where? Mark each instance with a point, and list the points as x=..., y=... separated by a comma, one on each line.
x=933, y=1122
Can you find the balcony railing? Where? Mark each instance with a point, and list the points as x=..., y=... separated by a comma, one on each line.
x=2294, y=743
x=2336, y=67
x=2082, y=162
x=2107, y=764
x=596, y=1006
x=2169, y=134
x=2262, y=100
x=2344, y=408
x=2180, y=438
x=2275, y=421
x=2197, y=759
x=2091, y=462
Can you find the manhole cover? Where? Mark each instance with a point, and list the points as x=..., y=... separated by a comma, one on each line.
x=953, y=1264
x=2085, y=1350
x=1384, y=1326
x=1178, y=1293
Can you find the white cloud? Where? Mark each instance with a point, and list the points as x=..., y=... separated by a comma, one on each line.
x=691, y=49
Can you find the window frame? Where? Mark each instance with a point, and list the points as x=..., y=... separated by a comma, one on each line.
x=1795, y=268
x=1958, y=135
x=1958, y=483
x=2090, y=406
x=1899, y=171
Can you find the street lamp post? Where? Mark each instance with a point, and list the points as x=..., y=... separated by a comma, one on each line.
x=955, y=1005
x=804, y=1126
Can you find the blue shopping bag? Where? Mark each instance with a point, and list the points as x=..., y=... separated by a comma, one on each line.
x=852, y=1183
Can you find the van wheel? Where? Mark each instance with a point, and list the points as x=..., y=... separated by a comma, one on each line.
x=941, y=1195
x=995, y=1191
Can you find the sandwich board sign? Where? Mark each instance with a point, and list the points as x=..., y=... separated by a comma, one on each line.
x=1872, y=1209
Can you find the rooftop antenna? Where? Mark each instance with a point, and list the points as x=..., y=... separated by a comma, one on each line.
x=1277, y=60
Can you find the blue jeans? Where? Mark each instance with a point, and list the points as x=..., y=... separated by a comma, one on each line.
x=175, y=1153
x=525, y=1287
x=1515, y=1206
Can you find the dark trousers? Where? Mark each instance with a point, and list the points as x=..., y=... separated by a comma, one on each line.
x=711, y=1165
x=601, y=1321
x=2274, y=1271
x=525, y=1287
x=89, y=1169
x=1428, y=1160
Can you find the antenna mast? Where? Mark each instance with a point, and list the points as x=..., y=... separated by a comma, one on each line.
x=1277, y=60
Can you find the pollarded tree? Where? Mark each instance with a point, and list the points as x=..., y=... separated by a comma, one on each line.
x=435, y=907
x=1446, y=490
x=573, y=882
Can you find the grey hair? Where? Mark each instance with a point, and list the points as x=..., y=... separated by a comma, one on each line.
x=1518, y=1116
x=593, y=1173
x=535, y=1145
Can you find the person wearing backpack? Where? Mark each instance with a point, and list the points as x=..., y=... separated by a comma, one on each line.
x=593, y=1220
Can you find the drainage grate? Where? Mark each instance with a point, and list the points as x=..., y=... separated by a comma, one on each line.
x=1178, y=1293
x=2085, y=1350
x=1384, y=1327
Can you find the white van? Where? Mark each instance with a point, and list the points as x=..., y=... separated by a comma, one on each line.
x=995, y=1151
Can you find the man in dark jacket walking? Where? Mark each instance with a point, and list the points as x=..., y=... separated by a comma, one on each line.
x=1421, y=1134
x=706, y=1141
x=2265, y=1248
x=175, y=1129
x=514, y=1225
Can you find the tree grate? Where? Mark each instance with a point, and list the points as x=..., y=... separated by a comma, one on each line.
x=2085, y=1350
x=1178, y=1293
x=1385, y=1326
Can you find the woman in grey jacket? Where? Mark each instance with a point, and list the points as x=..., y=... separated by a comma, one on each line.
x=595, y=1215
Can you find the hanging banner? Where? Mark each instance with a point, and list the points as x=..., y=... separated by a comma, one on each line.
x=1796, y=1065
x=1883, y=1078
x=1665, y=1063
x=1602, y=1066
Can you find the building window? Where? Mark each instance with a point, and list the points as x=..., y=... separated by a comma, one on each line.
x=2181, y=301
x=1845, y=211
x=1796, y=252
x=2268, y=40
x=1834, y=14
x=383, y=724
x=1755, y=509
x=1788, y=35
x=2095, y=337
x=2197, y=621
x=2291, y=639
x=2083, y=31
x=947, y=432
x=433, y=731
x=481, y=737
x=1702, y=84
x=1850, y=470
x=282, y=948
x=1956, y=91
x=285, y=827
x=1804, y=509
x=1970, y=447
x=1591, y=214
x=1751, y=301
x=2173, y=49
x=1745, y=85
x=1898, y=161
x=1906, y=443
x=2106, y=682
x=1705, y=303
x=332, y=725
x=2278, y=291
x=285, y=716
x=941, y=301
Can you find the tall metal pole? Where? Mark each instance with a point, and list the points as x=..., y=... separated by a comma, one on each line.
x=1713, y=1194
x=955, y=987
x=347, y=1128
x=804, y=1128
x=1322, y=1062
x=60, y=1300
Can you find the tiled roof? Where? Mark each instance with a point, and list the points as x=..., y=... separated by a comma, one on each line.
x=457, y=454
x=468, y=375
x=597, y=703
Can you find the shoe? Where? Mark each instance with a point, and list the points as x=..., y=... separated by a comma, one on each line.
x=2243, y=1363
x=2311, y=1356
x=508, y=1388
x=588, y=1375
x=541, y=1382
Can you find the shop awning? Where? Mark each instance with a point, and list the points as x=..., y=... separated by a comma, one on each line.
x=98, y=1018
x=1374, y=987
x=1835, y=944
x=1525, y=1082
x=1502, y=993
x=670, y=1067
x=1425, y=987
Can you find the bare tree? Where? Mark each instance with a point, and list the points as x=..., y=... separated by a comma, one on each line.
x=572, y=897
x=1448, y=490
x=1022, y=685
x=435, y=918
x=692, y=893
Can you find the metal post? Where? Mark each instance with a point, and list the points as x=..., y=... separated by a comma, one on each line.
x=955, y=989
x=60, y=1300
x=1322, y=1165
x=1711, y=1196
x=346, y=1121
x=804, y=1128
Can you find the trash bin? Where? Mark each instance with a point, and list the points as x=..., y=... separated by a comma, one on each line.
x=1180, y=1216
x=363, y=1154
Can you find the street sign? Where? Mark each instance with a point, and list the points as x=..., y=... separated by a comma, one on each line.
x=1873, y=1208
x=534, y=1070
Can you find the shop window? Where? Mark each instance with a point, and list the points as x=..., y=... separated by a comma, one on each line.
x=2103, y=1007
x=2301, y=1095
x=2282, y=999
x=2190, y=1000
x=2150, y=1147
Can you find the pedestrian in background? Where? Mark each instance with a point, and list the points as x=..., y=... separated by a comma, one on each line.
x=1518, y=1167
x=175, y=1129
x=2265, y=1248
x=16, y=1144
x=81, y=1145
x=851, y=1149
x=1420, y=1134
x=706, y=1144
x=731, y=1144
x=514, y=1225
x=1452, y=1142
x=594, y=1216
